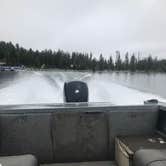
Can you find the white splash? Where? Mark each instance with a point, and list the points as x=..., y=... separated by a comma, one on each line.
x=47, y=87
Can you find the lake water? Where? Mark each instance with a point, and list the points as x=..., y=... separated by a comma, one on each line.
x=121, y=88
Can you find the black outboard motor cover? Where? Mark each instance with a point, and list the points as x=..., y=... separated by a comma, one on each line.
x=75, y=91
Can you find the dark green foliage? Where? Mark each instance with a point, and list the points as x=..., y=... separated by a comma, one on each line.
x=16, y=55
x=126, y=62
x=133, y=63
x=119, y=65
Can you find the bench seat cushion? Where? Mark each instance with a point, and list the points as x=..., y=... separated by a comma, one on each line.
x=150, y=157
x=23, y=160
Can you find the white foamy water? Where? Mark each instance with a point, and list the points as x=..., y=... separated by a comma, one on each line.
x=47, y=87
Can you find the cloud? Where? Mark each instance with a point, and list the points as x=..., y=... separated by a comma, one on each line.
x=86, y=25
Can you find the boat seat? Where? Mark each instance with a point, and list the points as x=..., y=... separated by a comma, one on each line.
x=90, y=163
x=150, y=157
x=23, y=160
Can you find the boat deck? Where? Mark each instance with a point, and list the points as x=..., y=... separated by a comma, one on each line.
x=66, y=135
x=91, y=163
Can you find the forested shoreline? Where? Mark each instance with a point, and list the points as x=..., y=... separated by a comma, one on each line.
x=16, y=55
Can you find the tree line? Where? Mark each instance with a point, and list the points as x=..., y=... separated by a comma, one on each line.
x=15, y=55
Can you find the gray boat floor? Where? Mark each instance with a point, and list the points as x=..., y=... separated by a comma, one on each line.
x=91, y=163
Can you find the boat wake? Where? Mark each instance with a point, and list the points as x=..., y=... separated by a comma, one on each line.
x=47, y=87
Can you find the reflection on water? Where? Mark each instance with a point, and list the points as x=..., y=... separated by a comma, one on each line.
x=47, y=87
x=7, y=77
x=148, y=82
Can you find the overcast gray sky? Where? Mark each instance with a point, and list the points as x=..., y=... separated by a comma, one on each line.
x=97, y=26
